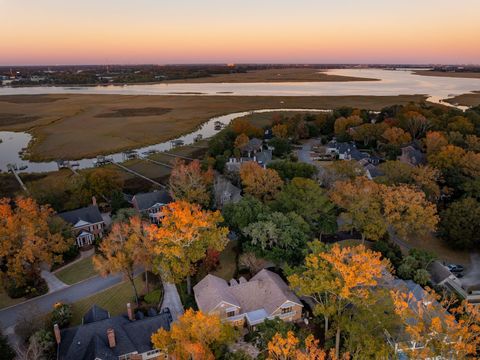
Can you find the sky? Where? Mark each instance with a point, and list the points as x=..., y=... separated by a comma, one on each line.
x=53, y=32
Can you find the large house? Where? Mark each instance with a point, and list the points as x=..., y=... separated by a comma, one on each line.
x=242, y=302
x=412, y=156
x=251, y=151
x=150, y=204
x=87, y=223
x=225, y=192
x=102, y=337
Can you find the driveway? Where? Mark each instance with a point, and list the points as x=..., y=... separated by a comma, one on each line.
x=303, y=154
x=171, y=300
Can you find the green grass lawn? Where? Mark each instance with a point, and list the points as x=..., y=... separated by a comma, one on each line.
x=114, y=300
x=79, y=271
x=6, y=301
x=228, y=262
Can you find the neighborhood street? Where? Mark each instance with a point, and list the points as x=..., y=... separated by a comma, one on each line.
x=44, y=304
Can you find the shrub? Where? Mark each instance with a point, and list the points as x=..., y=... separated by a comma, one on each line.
x=6, y=352
x=61, y=314
x=153, y=297
x=33, y=288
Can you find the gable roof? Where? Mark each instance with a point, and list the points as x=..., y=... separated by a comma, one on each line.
x=266, y=290
x=144, y=201
x=438, y=272
x=90, y=214
x=412, y=156
x=252, y=145
x=89, y=341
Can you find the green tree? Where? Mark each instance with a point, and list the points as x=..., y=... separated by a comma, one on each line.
x=281, y=147
x=265, y=332
x=289, y=169
x=309, y=200
x=279, y=237
x=460, y=225
x=246, y=211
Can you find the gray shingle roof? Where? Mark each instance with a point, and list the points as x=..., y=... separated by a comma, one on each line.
x=90, y=342
x=252, y=145
x=144, y=201
x=89, y=214
x=96, y=313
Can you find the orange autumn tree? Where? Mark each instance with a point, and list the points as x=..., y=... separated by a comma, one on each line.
x=126, y=247
x=361, y=202
x=188, y=182
x=445, y=328
x=280, y=131
x=185, y=234
x=193, y=336
x=337, y=278
x=264, y=184
x=240, y=141
x=243, y=126
x=396, y=136
x=27, y=240
x=408, y=211
x=288, y=348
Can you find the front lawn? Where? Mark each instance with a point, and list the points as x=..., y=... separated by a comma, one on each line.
x=6, y=301
x=114, y=300
x=77, y=272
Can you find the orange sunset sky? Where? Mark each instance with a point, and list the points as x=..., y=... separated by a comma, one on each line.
x=211, y=31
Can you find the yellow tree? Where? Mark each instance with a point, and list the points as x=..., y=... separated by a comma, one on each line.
x=434, y=141
x=240, y=141
x=288, y=348
x=446, y=329
x=336, y=278
x=361, y=200
x=188, y=182
x=193, y=336
x=26, y=239
x=342, y=124
x=408, y=211
x=396, y=136
x=264, y=184
x=185, y=234
x=280, y=131
x=123, y=249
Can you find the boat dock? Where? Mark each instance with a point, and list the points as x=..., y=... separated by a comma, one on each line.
x=13, y=169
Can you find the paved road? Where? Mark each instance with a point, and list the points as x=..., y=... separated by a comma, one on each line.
x=304, y=154
x=44, y=304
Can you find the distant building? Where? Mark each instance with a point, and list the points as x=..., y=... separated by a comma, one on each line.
x=150, y=204
x=242, y=302
x=101, y=337
x=252, y=151
x=412, y=156
x=345, y=150
x=87, y=224
x=225, y=192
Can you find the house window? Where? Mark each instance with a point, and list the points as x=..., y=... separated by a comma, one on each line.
x=230, y=313
x=287, y=310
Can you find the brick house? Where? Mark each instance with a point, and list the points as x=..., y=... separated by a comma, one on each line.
x=87, y=224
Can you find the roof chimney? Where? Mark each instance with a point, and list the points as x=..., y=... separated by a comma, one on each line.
x=94, y=201
x=130, y=312
x=111, y=338
x=56, y=331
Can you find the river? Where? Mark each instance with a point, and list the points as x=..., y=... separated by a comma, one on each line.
x=399, y=82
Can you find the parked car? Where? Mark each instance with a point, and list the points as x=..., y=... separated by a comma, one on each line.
x=455, y=268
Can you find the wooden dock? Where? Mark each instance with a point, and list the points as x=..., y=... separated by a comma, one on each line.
x=138, y=174
x=13, y=170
